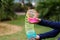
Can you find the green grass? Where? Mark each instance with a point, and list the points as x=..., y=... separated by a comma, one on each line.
x=21, y=35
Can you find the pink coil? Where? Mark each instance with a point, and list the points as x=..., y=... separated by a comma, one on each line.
x=32, y=20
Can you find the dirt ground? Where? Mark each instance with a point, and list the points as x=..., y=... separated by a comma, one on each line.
x=7, y=29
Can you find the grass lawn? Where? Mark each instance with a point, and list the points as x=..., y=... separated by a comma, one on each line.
x=21, y=35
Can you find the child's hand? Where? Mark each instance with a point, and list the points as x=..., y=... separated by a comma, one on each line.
x=37, y=37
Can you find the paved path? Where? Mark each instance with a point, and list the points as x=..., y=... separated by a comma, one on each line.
x=20, y=13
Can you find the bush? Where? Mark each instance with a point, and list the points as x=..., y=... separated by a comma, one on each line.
x=7, y=10
x=19, y=8
x=49, y=10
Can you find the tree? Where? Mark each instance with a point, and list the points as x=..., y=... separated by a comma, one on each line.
x=6, y=9
x=49, y=9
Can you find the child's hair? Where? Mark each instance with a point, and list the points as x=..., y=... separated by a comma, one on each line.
x=30, y=5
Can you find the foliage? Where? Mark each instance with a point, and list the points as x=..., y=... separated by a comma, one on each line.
x=18, y=7
x=29, y=4
x=6, y=9
x=49, y=9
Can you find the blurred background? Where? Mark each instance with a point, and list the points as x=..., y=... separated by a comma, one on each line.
x=13, y=12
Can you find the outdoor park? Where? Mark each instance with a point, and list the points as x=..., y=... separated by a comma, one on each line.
x=12, y=18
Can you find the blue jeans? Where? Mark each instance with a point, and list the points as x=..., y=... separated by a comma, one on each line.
x=58, y=38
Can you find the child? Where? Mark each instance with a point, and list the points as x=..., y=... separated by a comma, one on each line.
x=51, y=24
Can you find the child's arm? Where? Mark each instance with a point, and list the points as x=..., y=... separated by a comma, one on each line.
x=50, y=34
x=54, y=25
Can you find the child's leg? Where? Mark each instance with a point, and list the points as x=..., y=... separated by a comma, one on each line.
x=58, y=38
